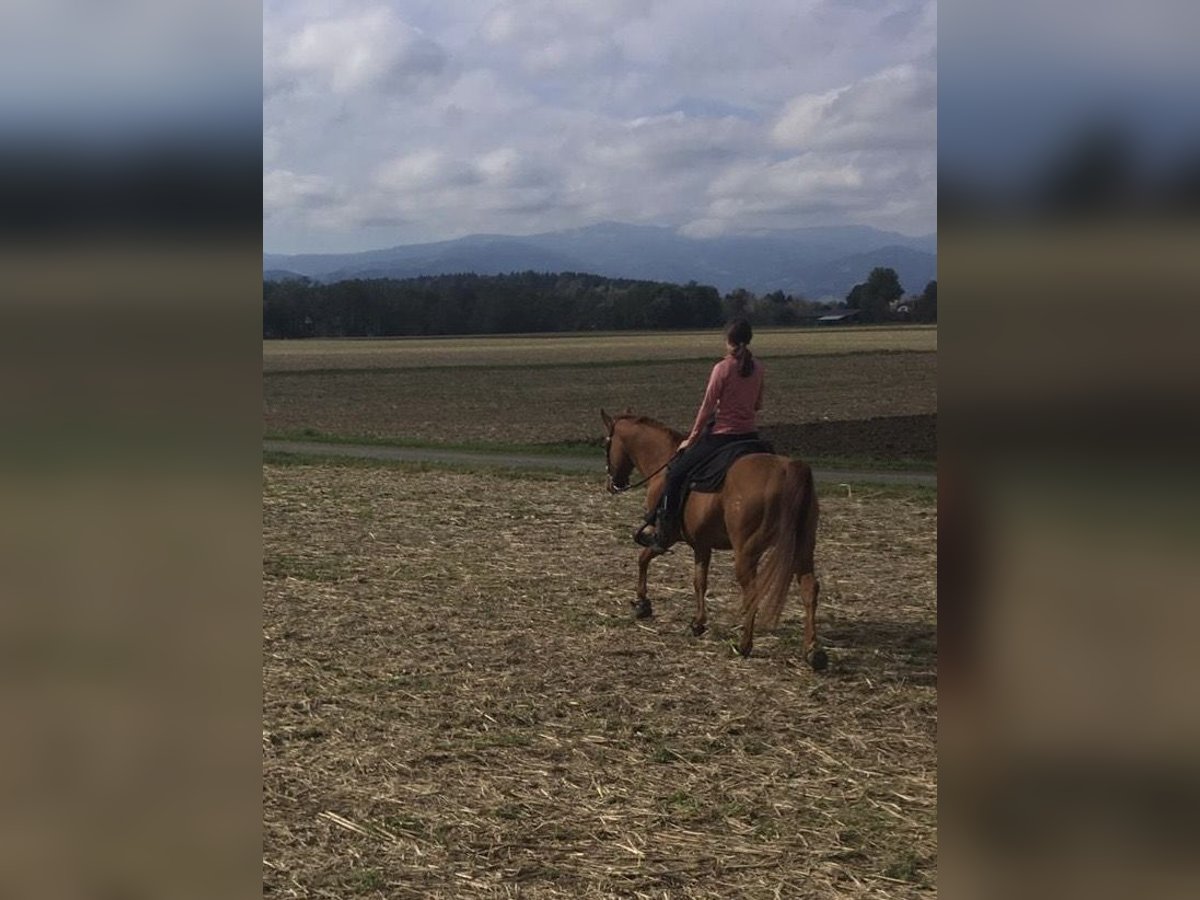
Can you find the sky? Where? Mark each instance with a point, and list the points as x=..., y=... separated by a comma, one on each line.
x=391, y=122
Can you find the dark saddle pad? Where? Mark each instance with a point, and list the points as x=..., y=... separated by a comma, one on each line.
x=709, y=474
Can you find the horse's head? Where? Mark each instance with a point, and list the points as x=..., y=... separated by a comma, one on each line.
x=617, y=461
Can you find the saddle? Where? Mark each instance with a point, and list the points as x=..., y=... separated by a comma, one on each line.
x=706, y=477
x=709, y=474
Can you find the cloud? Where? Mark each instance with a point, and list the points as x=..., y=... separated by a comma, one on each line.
x=487, y=189
x=423, y=171
x=895, y=108
x=506, y=167
x=656, y=144
x=484, y=94
x=820, y=188
x=550, y=36
x=367, y=49
x=430, y=121
x=285, y=191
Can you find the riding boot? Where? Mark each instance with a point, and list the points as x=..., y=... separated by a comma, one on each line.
x=644, y=536
x=666, y=528
x=664, y=517
x=659, y=529
x=666, y=532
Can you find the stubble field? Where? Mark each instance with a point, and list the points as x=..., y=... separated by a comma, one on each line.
x=458, y=703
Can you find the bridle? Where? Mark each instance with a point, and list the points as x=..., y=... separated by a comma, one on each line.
x=613, y=487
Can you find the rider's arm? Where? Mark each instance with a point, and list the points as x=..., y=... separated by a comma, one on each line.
x=709, y=404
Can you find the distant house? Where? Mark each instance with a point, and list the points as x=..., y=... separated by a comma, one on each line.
x=838, y=317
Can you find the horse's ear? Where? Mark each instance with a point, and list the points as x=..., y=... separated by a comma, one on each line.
x=606, y=419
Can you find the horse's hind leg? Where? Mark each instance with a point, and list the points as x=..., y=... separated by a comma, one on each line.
x=745, y=568
x=700, y=582
x=641, y=606
x=810, y=590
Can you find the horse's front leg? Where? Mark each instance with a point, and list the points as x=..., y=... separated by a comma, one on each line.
x=700, y=582
x=641, y=606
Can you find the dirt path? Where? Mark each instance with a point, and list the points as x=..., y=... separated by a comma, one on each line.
x=538, y=461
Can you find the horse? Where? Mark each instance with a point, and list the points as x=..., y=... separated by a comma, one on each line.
x=766, y=512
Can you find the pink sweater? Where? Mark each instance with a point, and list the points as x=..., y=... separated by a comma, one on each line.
x=735, y=399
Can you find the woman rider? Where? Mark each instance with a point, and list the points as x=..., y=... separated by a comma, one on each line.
x=733, y=396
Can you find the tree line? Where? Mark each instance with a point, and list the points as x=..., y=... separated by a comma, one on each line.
x=881, y=299
x=516, y=303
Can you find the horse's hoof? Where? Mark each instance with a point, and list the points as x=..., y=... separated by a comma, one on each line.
x=642, y=609
x=818, y=659
x=744, y=651
x=698, y=630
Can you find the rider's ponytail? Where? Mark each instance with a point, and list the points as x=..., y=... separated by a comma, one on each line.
x=738, y=333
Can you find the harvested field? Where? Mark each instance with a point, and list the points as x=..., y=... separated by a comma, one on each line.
x=458, y=704
x=561, y=404
x=566, y=349
x=879, y=438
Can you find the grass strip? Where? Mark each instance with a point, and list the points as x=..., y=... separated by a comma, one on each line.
x=574, y=449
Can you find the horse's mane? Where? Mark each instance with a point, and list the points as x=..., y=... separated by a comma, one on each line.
x=653, y=423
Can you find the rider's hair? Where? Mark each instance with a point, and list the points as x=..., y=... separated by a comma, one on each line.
x=739, y=333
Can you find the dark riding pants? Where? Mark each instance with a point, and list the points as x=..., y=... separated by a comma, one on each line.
x=681, y=466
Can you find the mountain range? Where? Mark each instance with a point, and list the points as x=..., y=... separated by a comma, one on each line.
x=817, y=263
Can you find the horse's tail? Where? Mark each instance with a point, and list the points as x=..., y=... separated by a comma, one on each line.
x=779, y=563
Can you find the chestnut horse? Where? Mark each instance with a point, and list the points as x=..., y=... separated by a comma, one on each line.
x=766, y=512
